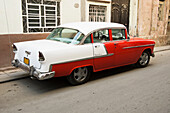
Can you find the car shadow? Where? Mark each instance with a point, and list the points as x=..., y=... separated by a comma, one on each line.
x=60, y=83
x=111, y=72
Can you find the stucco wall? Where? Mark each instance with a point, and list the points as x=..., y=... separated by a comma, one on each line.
x=70, y=11
x=11, y=16
x=148, y=24
x=144, y=17
x=133, y=17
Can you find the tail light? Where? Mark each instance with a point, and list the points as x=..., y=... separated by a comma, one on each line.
x=41, y=57
x=14, y=47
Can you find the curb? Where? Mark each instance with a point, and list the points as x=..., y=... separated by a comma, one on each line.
x=11, y=75
x=162, y=50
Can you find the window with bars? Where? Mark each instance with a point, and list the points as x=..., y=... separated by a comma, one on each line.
x=40, y=15
x=97, y=13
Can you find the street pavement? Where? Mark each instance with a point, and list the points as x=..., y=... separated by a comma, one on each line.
x=125, y=89
x=10, y=73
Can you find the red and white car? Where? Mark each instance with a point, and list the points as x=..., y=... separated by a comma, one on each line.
x=77, y=49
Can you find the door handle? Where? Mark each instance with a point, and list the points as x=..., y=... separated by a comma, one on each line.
x=115, y=43
x=96, y=46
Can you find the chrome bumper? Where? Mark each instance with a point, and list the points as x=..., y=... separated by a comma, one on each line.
x=32, y=71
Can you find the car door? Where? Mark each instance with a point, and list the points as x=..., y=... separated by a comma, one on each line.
x=123, y=56
x=103, y=56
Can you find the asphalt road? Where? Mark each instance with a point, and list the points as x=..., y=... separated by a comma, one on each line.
x=120, y=90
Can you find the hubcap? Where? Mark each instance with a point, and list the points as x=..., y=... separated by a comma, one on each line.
x=80, y=74
x=144, y=59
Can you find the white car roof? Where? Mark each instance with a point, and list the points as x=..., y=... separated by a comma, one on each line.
x=87, y=27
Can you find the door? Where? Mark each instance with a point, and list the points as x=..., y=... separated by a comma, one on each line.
x=103, y=55
x=124, y=56
x=120, y=12
x=122, y=53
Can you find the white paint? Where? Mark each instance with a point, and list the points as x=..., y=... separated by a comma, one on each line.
x=87, y=27
x=133, y=17
x=3, y=20
x=68, y=11
x=53, y=51
x=11, y=16
x=99, y=49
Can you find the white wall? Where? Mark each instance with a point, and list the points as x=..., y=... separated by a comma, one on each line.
x=69, y=11
x=133, y=17
x=10, y=16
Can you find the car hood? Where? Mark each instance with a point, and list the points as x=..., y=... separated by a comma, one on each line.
x=41, y=45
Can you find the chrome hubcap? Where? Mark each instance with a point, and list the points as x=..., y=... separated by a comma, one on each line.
x=80, y=74
x=144, y=59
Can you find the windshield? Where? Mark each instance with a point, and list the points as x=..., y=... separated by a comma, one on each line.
x=66, y=35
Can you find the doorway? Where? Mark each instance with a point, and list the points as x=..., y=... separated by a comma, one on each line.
x=120, y=12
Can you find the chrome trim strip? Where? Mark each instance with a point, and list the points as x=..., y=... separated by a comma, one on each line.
x=138, y=46
x=50, y=69
x=104, y=55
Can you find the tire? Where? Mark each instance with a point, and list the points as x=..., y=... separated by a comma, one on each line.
x=144, y=59
x=79, y=76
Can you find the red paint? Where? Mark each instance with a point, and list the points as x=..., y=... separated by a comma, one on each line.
x=92, y=38
x=126, y=33
x=110, y=35
x=65, y=69
x=120, y=56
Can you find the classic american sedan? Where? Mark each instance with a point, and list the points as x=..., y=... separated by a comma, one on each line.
x=77, y=49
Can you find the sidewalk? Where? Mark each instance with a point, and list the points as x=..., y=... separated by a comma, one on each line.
x=11, y=73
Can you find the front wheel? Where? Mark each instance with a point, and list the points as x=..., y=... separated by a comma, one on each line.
x=79, y=76
x=143, y=60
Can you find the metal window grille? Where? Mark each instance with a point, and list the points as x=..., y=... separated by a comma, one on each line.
x=97, y=13
x=40, y=15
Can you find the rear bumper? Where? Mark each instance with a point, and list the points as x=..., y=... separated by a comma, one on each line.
x=32, y=71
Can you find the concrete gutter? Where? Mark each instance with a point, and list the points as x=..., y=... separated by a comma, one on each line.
x=10, y=73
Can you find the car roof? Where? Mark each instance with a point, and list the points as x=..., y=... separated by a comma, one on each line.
x=88, y=27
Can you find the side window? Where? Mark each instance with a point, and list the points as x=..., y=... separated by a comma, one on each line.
x=87, y=40
x=101, y=36
x=118, y=34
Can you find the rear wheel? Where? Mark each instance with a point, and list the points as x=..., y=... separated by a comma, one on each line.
x=79, y=76
x=144, y=59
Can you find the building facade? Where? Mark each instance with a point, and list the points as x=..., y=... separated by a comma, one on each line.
x=23, y=20
x=152, y=20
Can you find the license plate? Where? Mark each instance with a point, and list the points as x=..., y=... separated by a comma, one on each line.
x=26, y=61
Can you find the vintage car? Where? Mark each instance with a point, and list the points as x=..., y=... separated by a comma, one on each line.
x=77, y=49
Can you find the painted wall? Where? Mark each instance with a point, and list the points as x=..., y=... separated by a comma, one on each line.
x=11, y=16
x=133, y=17
x=70, y=11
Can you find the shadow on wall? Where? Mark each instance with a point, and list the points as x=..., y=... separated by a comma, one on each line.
x=6, y=42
